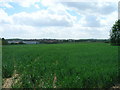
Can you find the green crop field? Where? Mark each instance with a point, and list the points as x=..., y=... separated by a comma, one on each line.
x=70, y=65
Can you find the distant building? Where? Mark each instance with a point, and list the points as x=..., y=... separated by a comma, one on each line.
x=22, y=42
x=14, y=41
x=31, y=42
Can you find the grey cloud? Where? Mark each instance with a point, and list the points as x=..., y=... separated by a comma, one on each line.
x=78, y=5
x=49, y=22
x=108, y=9
x=91, y=21
x=93, y=7
x=42, y=22
x=4, y=22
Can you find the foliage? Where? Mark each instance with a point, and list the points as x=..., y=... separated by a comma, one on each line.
x=80, y=65
x=115, y=33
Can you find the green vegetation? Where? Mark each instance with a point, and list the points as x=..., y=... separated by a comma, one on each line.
x=115, y=34
x=75, y=65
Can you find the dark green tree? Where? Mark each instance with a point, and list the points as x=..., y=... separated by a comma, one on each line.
x=115, y=33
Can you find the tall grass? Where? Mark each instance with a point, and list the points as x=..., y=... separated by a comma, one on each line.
x=77, y=65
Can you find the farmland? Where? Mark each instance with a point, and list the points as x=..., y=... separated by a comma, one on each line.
x=73, y=65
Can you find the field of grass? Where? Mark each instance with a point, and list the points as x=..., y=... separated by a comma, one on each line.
x=75, y=65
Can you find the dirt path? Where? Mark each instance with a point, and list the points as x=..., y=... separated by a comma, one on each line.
x=116, y=86
x=54, y=81
x=8, y=82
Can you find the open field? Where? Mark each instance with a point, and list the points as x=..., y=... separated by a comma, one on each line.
x=75, y=65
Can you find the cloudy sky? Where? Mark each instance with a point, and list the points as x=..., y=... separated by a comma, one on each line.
x=57, y=20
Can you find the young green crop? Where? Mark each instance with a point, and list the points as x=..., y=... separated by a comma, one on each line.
x=76, y=65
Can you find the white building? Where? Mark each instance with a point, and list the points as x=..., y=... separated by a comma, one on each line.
x=23, y=41
x=30, y=42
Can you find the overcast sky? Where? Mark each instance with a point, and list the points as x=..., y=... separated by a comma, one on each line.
x=57, y=20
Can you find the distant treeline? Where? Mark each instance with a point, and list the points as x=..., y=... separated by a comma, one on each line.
x=71, y=40
x=49, y=41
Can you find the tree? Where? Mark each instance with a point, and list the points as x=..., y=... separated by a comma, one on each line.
x=115, y=33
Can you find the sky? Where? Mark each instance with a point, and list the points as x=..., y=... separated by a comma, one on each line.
x=49, y=19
